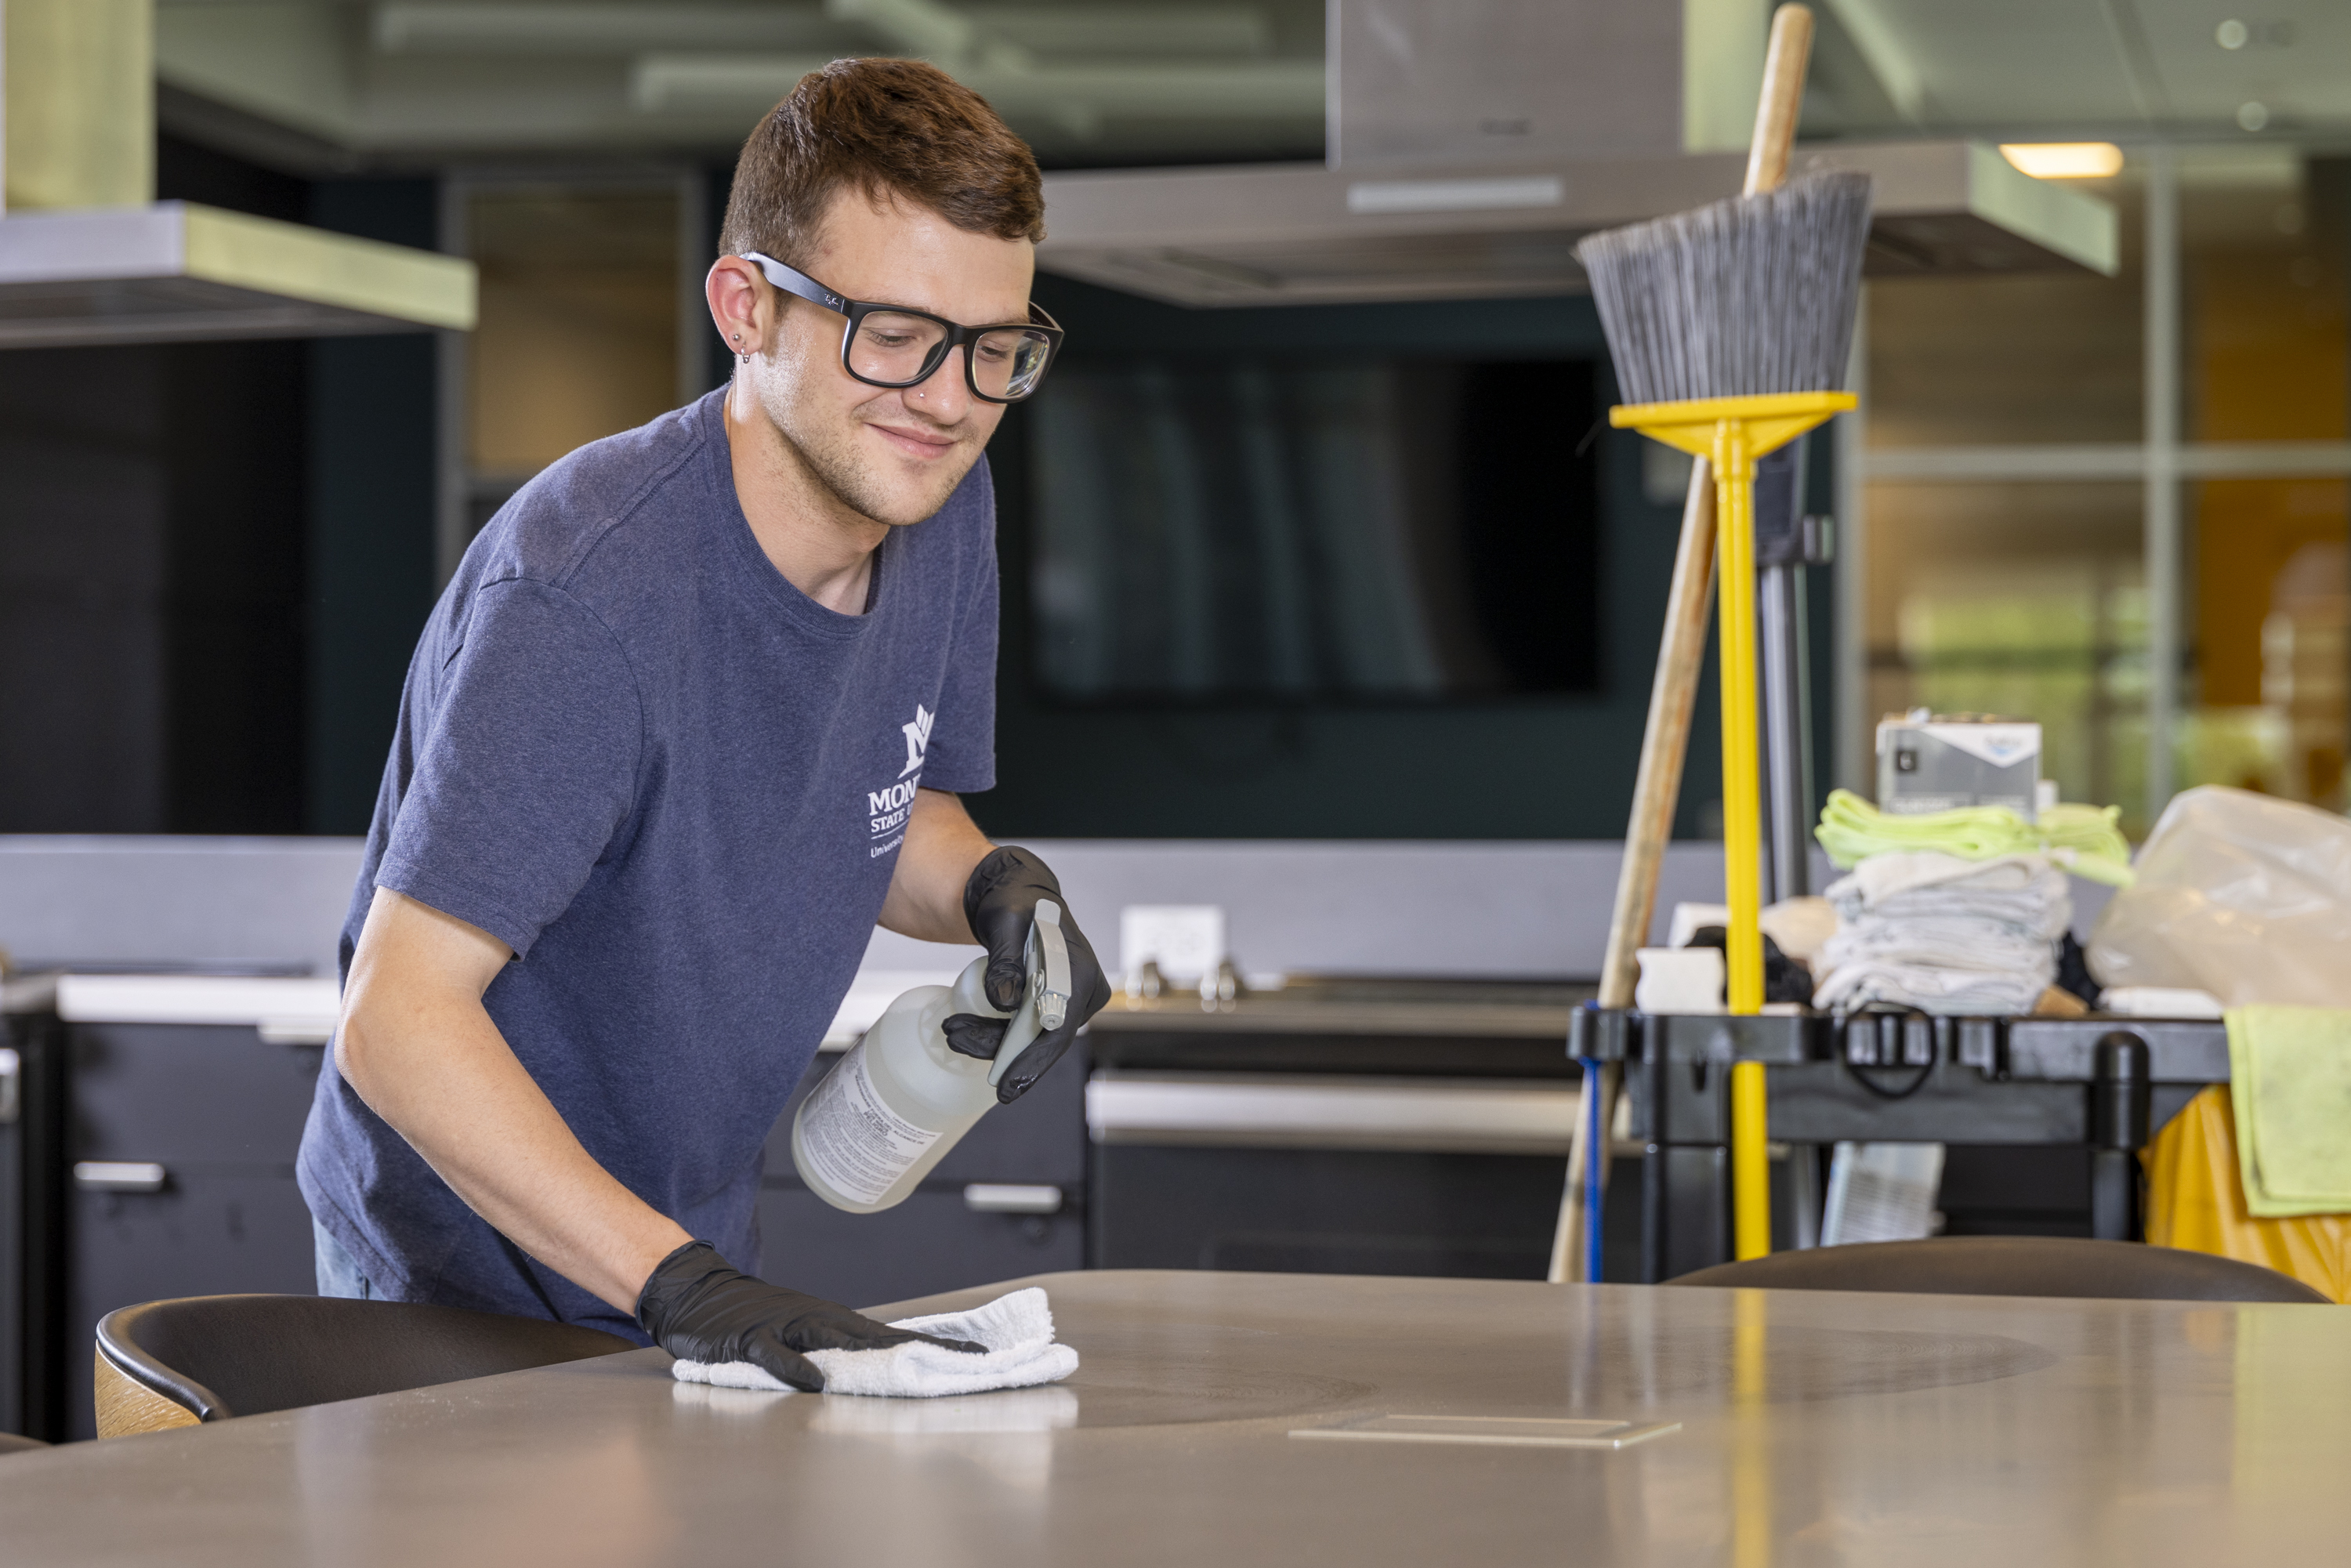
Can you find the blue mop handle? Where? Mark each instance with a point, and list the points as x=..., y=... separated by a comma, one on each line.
x=1595, y=1154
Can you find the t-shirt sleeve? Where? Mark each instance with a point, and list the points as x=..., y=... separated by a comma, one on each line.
x=962, y=754
x=527, y=770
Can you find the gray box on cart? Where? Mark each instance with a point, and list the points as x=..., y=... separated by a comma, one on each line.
x=1942, y=763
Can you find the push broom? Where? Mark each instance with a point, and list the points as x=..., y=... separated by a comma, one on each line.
x=1728, y=327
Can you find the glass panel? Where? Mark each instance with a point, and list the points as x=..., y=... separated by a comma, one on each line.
x=1995, y=360
x=578, y=338
x=2272, y=577
x=2263, y=232
x=2025, y=600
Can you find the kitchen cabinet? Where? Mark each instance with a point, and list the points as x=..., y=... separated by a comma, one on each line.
x=1354, y=1126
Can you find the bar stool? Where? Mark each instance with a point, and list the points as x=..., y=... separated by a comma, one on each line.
x=2011, y=1266
x=208, y=1358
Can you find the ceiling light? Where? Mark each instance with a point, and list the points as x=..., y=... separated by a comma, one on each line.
x=2065, y=160
x=2253, y=116
x=2231, y=34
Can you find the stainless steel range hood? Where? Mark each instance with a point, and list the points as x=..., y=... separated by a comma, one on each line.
x=87, y=255
x=1473, y=143
x=175, y=272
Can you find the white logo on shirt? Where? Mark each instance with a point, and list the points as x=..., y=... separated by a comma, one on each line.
x=918, y=738
x=887, y=810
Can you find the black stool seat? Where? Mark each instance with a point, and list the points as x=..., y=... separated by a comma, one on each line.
x=220, y=1356
x=2012, y=1266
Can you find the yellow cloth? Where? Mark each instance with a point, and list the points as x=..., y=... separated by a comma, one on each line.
x=2196, y=1202
x=2290, y=1088
x=2083, y=840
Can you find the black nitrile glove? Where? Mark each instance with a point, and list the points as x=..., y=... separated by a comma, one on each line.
x=698, y=1309
x=1000, y=902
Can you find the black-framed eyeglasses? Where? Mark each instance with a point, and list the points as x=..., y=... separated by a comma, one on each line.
x=893, y=345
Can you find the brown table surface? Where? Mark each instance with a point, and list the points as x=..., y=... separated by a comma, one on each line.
x=1815, y=1429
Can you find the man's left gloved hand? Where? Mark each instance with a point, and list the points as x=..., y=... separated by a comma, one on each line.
x=698, y=1308
x=1000, y=901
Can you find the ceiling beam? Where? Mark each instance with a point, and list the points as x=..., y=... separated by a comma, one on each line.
x=607, y=29
x=693, y=83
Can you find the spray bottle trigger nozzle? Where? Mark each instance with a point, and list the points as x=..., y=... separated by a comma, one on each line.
x=1048, y=966
x=1046, y=1006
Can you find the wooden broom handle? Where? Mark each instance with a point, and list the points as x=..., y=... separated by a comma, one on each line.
x=1681, y=652
x=1782, y=100
x=1681, y=659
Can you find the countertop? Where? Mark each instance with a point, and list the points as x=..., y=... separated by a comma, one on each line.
x=1812, y=1429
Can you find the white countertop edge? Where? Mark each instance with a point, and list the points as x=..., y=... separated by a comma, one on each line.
x=305, y=1011
x=283, y=1007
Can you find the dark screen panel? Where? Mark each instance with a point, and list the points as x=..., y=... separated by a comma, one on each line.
x=1338, y=527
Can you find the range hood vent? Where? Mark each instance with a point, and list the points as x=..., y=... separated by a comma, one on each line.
x=175, y=272
x=1304, y=234
x=88, y=256
x=1474, y=143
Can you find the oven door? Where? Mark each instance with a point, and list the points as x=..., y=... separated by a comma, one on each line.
x=1332, y=1173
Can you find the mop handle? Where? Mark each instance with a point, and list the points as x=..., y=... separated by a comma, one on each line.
x=1784, y=65
x=1789, y=52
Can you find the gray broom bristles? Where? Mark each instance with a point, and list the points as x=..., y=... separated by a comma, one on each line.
x=1751, y=295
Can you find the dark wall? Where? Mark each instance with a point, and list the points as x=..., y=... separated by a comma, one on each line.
x=84, y=519
x=234, y=568
x=1531, y=768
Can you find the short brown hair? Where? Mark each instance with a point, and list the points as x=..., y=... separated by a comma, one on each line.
x=898, y=128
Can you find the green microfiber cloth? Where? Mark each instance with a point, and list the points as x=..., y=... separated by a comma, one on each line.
x=2083, y=840
x=2290, y=1085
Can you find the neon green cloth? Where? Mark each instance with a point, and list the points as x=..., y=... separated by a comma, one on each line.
x=2082, y=839
x=2290, y=1087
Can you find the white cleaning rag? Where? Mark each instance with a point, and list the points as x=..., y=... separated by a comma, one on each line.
x=1017, y=1331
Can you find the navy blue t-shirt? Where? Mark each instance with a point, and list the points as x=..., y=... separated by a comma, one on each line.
x=675, y=786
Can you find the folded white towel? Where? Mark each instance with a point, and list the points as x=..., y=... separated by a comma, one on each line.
x=1881, y=877
x=1950, y=936
x=2023, y=889
x=1017, y=1331
x=1931, y=988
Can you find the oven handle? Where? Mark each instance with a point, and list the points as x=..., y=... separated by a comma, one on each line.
x=1012, y=1198
x=120, y=1176
x=1428, y=1115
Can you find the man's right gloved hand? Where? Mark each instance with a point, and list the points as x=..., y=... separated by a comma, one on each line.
x=698, y=1309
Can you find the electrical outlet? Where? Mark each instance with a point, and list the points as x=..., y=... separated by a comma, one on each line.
x=1185, y=940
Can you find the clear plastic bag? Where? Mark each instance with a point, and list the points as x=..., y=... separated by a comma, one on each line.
x=2243, y=895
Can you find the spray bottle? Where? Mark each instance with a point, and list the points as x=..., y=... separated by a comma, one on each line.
x=901, y=1098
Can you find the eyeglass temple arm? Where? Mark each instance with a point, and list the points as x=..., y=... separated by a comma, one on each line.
x=793, y=281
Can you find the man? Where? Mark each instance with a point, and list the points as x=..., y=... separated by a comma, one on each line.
x=691, y=718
